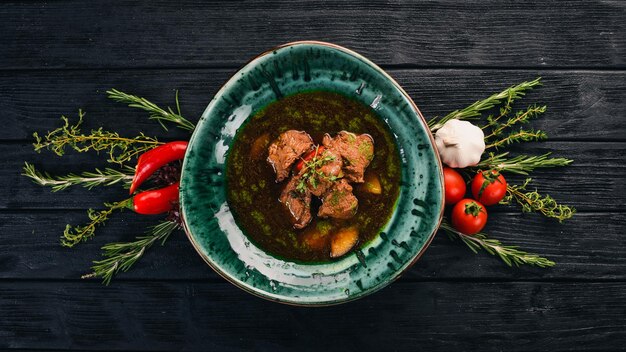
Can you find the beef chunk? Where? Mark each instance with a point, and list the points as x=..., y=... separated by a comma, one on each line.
x=286, y=149
x=330, y=169
x=343, y=160
x=298, y=202
x=339, y=202
x=356, y=151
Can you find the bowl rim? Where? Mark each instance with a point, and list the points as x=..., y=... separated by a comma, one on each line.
x=431, y=236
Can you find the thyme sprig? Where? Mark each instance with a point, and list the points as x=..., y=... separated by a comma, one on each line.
x=522, y=116
x=518, y=136
x=156, y=113
x=120, y=149
x=508, y=95
x=311, y=171
x=497, y=138
x=87, y=179
x=511, y=255
x=73, y=235
x=120, y=256
x=534, y=202
x=521, y=164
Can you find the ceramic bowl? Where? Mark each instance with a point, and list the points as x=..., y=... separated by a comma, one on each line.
x=211, y=228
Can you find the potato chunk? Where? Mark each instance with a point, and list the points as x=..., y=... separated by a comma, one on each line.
x=343, y=241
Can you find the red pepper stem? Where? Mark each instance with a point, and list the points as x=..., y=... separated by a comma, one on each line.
x=128, y=204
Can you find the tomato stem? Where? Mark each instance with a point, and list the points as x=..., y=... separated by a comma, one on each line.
x=472, y=208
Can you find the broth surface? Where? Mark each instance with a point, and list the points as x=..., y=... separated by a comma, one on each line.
x=252, y=190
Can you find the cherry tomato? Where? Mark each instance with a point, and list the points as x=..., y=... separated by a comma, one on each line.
x=489, y=187
x=469, y=216
x=454, y=185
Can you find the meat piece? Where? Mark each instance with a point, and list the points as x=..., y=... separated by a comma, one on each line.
x=327, y=172
x=339, y=202
x=286, y=149
x=357, y=151
x=298, y=201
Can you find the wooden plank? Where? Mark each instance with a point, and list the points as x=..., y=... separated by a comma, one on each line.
x=593, y=183
x=581, y=104
x=74, y=34
x=29, y=249
x=517, y=316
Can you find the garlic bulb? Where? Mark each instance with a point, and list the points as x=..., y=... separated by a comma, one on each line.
x=460, y=144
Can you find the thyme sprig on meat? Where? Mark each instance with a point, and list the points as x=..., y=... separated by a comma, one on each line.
x=311, y=171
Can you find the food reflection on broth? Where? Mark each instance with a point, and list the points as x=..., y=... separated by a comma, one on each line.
x=313, y=176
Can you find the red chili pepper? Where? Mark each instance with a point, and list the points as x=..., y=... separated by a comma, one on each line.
x=152, y=160
x=309, y=156
x=155, y=201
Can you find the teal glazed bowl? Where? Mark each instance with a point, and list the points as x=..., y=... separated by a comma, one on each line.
x=209, y=223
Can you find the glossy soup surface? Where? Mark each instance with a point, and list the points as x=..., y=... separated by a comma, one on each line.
x=252, y=190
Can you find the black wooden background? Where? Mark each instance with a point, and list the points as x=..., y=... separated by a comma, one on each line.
x=56, y=57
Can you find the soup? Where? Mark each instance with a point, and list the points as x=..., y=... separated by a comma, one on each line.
x=257, y=199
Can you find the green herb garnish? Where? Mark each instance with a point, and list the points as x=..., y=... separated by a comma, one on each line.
x=310, y=172
x=120, y=149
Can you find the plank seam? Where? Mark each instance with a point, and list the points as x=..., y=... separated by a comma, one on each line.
x=388, y=67
x=402, y=280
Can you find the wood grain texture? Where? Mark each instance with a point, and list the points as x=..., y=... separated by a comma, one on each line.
x=518, y=316
x=594, y=182
x=29, y=249
x=582, y=105
x=56, y=57
x=73, y=34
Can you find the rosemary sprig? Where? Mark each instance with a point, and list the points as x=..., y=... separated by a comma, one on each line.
x=122, y=255
x=535, y=202
x=511, y=255
x=521, y=164
x=120, y=149
x=156, y=113
x=510, y=94
x=72, y=235
x=106, y=177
